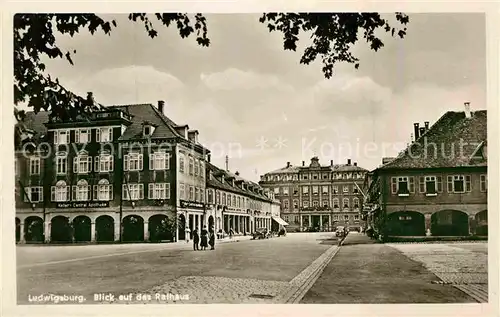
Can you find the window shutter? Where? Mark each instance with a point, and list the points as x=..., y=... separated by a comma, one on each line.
x=89, y=164
x=111, y=134
x=394, y=185
x=98, y=135
x=421, y=184
x=27, y=194
x=151, y=161
x=96, y=192
x=96, y=164
x=411, y=181
x=141, y=191
x=53, y=193
x=77, y=136
x=450, y=184
x=439, y=185
x=55, y=137
x=167, y=161
x=75, y=164
x=124, y=192
x=110, y=189
x=111, y=162
x=89, y=192
x=150, y=191
x=74, y=193
x=167, y=190
x=125, y=162
x=140, y=162
x=467, y=183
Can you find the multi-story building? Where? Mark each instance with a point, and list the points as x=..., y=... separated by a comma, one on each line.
x=110, y=177
x=236, y=203
x=318, y=197
x=438, y=185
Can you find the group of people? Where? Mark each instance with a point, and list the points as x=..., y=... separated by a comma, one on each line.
x=202, y=239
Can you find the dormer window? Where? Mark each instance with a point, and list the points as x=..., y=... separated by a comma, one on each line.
x=148, y=130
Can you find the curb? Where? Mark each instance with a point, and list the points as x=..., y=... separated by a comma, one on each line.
x=298, y=289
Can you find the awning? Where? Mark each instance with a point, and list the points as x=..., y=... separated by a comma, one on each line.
x=280, y=221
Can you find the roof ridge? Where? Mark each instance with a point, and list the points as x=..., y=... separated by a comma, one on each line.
x=161, y=116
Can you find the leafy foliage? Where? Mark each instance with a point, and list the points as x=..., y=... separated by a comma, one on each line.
x=333, y=34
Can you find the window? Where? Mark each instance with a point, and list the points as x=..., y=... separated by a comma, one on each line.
x=61, y=137
x=82, y=136
x=345, y=189
x=356, y=217
x=191, y=193
x=133, y=191
x=325, y=203
x=336, y=203
x=304, y=176
x=430, y=184
x=325, y=190
x=104, y=134
x=34, y=166
x=315, y=176
x=191, y=166
x=402, y=185
x=182, y=191
x=210, y=196
x=197, y=194
x=345, y=203
x=355, y=202
x=60, y=192
x=159, y=191
x=35, y=194
x=285, y=191
x=147, y=130
x=295, y=177
x=355, y=190
x=133, y=162
x=276, y=190
x=346, y=217
x=217, y=197
x=224, y=199
x=459, y=183
x=315, y=204
x=335, y=217
x=295, y=204
x=202, y=169
x=483, y=179
x=81, y=192
x=305, y=204
x=325, y=176
x=61, y=164
x=159, y=161
x=305, y=190
x=295, y=191
x=103, y=191
x=181, y=163
x=335, y=190
x=315, y=190
x=82, y=164
x=196, y=167
x=234, y=201
x=103, y=163
x=285, y=205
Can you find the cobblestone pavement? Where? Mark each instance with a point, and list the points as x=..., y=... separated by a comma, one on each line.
x=463, y=265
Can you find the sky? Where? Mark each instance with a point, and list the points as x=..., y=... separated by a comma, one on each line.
x=253, y=101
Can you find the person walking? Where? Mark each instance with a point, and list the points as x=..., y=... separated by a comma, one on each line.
x=196, y=240
x=204, y=238
x=211, y=239
x=188, y=234
x=231, y=232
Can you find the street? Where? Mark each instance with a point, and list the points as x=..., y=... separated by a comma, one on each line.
x=276, y=270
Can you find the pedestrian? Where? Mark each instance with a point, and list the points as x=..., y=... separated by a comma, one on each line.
x=196, y=239
x=188, y=234
x=211, y=239
x=204, y=238
x=231, y=232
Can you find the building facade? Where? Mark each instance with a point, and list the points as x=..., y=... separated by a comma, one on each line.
x=110, y=177
x=438, y=185
x=318, y=197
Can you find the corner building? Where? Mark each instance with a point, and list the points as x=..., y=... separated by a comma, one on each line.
x=318, y=197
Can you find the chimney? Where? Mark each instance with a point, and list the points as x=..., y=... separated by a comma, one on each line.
x=227, y=163
x=415, y=130
x=348, y=161
x=237, y=173
x=287, y=164
x=355, y=163
x=193, y=136
x=303, y=163
x=331, y=162
x=422, y=131
x=426, y=123
x=467, y=109
x=161, y=105
x=208, y=157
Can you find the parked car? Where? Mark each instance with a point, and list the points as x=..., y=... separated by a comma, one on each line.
x=339, y=232
x=261, y=233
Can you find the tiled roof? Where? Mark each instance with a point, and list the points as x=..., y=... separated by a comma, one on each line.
x=35, y=122
x=147, y=113
x=290, y=169
x=227, y=185
x=334, y=168
x=449, y=133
